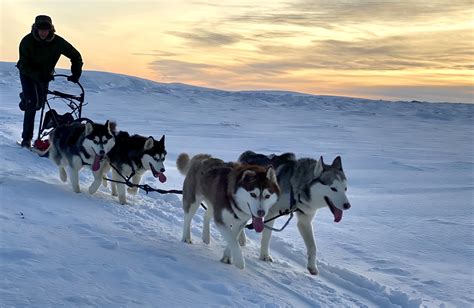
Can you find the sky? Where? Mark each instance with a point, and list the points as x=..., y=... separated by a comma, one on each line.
x=409, y=50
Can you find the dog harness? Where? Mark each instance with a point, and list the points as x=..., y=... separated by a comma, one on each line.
x=83, y=154
x=234, y=207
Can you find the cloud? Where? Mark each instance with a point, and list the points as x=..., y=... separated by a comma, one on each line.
x=332, y=64
x=413, y=51
x=372, y=10
x=330, y=47
x=370, y=49
x=156, y=54
x=174, y=70
x=204, y=38
x=259, y=35
x=334, y=14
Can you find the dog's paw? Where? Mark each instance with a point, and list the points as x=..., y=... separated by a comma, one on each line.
x=206, y=239
x=132, y=190
x=266, y=258
x=240, y=265
x=313, y=270
x=226, y=260
x=187, y=240
x=93, y=188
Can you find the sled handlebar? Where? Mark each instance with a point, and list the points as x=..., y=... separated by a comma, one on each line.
x=65, y=95
x=79, y=98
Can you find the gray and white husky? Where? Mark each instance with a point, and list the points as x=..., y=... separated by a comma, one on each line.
x=307, y=185
x=234, y=194
x=135, y=155
x=75, y=145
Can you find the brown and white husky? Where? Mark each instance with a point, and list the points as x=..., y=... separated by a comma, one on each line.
x=234, y=193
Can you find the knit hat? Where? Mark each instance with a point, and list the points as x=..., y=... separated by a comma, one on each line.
x=43, y=22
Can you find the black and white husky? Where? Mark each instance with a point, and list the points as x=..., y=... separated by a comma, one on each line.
x=307, y=185
x=75, y=145
x=131, y=157
x=234, y=193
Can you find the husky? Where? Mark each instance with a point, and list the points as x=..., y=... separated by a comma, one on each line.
x=131, y=157
x=76, y=145
x=234, y=194
x=53, y=119
x=307, y=185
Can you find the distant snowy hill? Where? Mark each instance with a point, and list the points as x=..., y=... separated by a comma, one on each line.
x=407, y=241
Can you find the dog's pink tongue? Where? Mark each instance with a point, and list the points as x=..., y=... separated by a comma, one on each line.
x=96, y=164
x=337, y=214
x=161, y=177
x=257, y=223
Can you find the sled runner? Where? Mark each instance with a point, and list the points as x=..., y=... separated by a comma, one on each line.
x=50, y=118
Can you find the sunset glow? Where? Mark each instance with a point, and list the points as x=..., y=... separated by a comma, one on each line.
x=410, y=50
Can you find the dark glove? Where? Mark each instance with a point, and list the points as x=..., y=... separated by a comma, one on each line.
x=22, y=103
x=73, y=78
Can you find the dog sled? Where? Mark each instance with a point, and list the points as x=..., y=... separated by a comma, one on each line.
x=50, y=118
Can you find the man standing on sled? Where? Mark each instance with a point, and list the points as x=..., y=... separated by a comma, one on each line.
x=39, y=52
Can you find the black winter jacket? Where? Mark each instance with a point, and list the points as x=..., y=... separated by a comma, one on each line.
x=39, y=57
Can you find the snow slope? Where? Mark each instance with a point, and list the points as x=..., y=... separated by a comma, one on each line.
x=407, y=241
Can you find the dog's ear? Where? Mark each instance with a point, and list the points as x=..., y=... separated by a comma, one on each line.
x=271, y=175
x=89, y=128
x=162, y=140
x=318, y=169
x=337, y=163
x=248, y=174
x=149, y=143
x=112, y=126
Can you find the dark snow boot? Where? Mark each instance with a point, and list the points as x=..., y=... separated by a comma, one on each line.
x=26, y=143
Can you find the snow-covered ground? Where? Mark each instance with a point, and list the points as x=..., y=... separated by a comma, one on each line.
x=407, y=241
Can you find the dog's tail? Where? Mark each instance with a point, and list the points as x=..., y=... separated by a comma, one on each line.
x=183, y=163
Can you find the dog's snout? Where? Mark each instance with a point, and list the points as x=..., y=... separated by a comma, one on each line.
x=162, y=170
x=102, y=152
x=347, y=206
x=260, y=213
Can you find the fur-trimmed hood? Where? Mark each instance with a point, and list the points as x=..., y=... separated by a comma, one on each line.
x=50, y=36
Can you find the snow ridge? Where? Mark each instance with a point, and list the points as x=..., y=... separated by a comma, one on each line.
x=386, y=253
